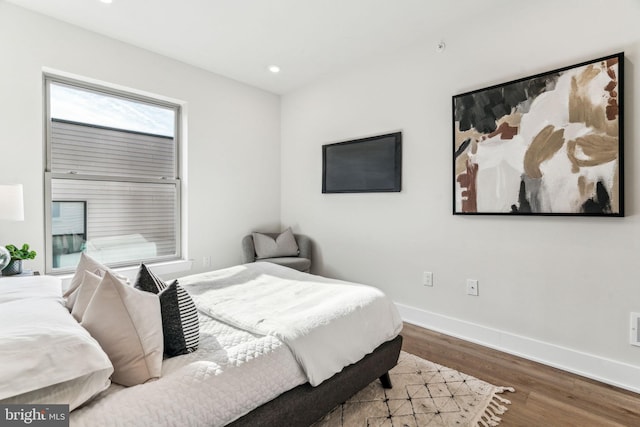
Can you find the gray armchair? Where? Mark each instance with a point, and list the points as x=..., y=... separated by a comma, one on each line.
x=302, y=262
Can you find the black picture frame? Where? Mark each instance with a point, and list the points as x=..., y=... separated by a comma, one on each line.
x=548, y=144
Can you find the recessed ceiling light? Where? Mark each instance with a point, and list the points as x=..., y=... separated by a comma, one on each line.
x=274, y=69
x=107, y=1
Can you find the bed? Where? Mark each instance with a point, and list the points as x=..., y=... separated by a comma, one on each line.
x=249, y=370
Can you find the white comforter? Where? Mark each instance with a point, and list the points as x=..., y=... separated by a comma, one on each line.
x=236, y=370
x=328, y=324
x=231, y=373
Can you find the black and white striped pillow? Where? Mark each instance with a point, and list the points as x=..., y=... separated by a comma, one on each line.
x=179, y=314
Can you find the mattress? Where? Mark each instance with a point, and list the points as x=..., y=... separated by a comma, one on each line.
x=232, y=373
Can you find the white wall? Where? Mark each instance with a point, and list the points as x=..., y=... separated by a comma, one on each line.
x=232, y=184
x=563, y=283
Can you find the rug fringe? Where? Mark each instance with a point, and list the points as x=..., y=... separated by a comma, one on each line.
x=494, y=408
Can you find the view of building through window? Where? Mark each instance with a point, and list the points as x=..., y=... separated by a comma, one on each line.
x=113, y=177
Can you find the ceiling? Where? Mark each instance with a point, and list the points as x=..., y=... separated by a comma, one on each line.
x=239, y=39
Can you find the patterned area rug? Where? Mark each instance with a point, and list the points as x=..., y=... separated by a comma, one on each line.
x=423, y=394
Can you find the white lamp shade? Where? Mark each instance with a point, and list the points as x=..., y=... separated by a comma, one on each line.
x=11, y=202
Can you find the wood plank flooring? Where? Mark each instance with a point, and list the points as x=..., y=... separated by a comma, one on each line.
x=544, y=396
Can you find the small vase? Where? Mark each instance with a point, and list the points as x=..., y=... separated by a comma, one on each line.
x=5, y=257
x=14, y=267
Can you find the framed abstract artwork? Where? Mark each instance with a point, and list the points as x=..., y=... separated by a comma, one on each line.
x=549, y=144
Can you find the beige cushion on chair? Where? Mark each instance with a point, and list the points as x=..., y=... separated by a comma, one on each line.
x=283, y=245
x=128, y=325
x=300, y=255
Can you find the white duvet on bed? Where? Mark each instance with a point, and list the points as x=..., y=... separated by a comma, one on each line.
x=328, y=324
x=235, y=370
x=231, y=373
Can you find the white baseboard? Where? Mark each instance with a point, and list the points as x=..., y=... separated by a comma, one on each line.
x=608, y=371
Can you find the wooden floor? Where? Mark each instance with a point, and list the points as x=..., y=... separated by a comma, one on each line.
x=544, y=396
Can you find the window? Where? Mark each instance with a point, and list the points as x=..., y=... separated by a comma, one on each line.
x=112, y=177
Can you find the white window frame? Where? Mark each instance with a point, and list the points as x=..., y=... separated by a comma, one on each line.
x=49, y=78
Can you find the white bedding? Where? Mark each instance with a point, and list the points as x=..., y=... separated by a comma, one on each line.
x=234, y=370
x=45, y=355
x=232, y=373
x=328, y=324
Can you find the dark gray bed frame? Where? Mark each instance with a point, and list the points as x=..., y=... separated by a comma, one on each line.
x=304, y=405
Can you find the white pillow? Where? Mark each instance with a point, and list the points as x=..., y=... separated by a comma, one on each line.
x=282, y=245
x=74, y=392
x=15, y=288
x=128, y=325
x=85, y=293
x=89, y=264
x=43, y=346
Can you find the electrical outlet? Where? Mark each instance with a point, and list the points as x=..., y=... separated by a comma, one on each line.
x=206, y=261
x=472, y=287
x=635, y=329
x=427, y=278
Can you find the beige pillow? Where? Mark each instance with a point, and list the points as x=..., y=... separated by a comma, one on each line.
x=84, y=294
x=86, y=263
x=128, y=325
x=282, y=245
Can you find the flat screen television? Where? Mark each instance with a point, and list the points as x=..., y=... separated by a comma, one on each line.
x=366, y=165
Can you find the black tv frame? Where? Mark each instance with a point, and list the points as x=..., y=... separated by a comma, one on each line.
x=397, y=164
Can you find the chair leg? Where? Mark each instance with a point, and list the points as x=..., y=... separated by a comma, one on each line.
x=386, y=381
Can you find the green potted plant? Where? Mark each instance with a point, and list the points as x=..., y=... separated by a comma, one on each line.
x=17, y=256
